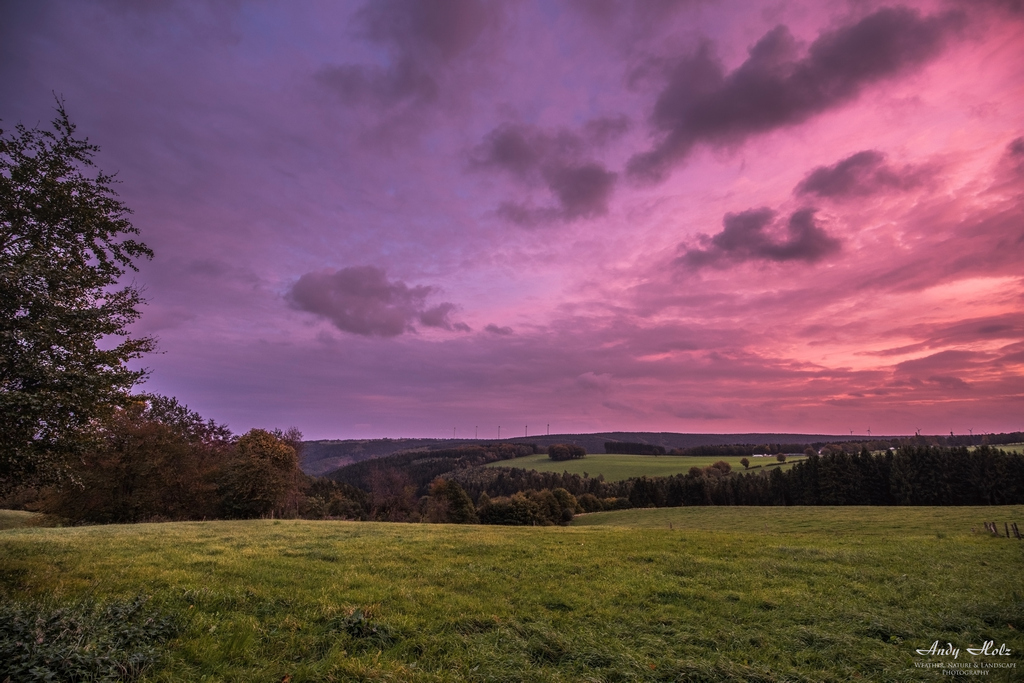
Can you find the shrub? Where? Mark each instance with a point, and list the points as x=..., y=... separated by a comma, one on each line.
x=81, y=642
x=547, y=504
x=450, y=504
x=516, y=510
x=566, y=500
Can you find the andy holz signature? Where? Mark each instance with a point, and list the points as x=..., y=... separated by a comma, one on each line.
x=987, y=649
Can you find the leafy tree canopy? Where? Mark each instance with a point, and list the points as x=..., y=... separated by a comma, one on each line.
x=65, y=243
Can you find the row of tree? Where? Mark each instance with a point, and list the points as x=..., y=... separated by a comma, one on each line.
x=420, y=467
x=157, y=460
x=631, y=448
x=160, y=461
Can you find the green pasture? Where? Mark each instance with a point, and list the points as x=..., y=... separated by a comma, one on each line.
x=616, y=467
x=1008, y=447
x=745, y=594
x=815, y=521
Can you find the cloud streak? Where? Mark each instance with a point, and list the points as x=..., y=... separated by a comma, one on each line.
x=776, y=88
x=860, y=175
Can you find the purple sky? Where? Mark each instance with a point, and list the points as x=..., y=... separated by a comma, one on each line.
x=400, y=217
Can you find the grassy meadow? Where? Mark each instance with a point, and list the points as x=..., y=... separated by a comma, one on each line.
x=14, y=519
x=617, y=467
x=682, y=594
x=1009, y=447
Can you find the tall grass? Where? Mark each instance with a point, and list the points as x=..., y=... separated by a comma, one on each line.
x=754, y=594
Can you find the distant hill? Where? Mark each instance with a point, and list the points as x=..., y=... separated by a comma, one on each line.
x=321, y=457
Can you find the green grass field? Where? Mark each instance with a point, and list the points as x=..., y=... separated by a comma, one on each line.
x=1009, y=447
x=13, y=519
x=616, y=467
x=752, y=594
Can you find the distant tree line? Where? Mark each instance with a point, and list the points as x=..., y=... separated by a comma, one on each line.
x=630, y=448
x=422, y=467
x=157, y=460
x=911, y=475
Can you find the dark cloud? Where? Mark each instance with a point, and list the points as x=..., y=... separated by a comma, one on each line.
x=1015, y=156
x=775, y=88
x=962, y=333
x=438, y=316
x=601, y=131
x=519, y=149
x=860, y=175
x=433, y=30
x=939, y=369
x=557, y=161
x=582, y=190
x=1012, y=7
x=422, y=36
x=502, y=331
x=363, y=301
x=747, y=237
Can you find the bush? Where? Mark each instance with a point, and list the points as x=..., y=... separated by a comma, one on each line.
x=566, y=500
x=516, y=510
x=566, y=451
x=83, y=642
x=449, y=504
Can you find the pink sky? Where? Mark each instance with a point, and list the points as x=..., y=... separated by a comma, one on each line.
x=400, y=217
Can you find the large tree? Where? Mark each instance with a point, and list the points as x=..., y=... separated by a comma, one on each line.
x=262, y=479
x=65, y=243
